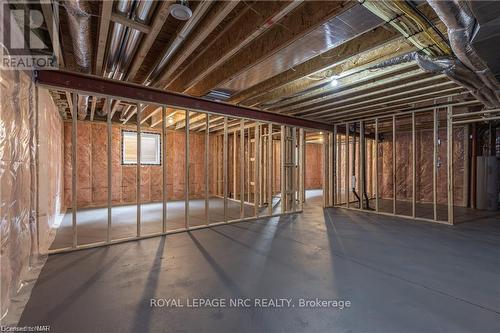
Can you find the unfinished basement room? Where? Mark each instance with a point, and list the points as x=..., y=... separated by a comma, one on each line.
x=250, y=166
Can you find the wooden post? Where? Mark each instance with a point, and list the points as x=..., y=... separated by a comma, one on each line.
x=301, y=168
x=449, y=162
x=270, y=169
x=107, y=107
x=138, y=169
x=242, y=168
x=283, y=176
x=346, y=176
x=330, y=169
x=164, y=169
x=414, y=166
x=434, y=163
x=257, y=170
x=186, y=173
x=207, y=169
x=74, y=167
x=224, y=168
x=394, y=164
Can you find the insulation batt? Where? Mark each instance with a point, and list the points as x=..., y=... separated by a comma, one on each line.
x=17, y=166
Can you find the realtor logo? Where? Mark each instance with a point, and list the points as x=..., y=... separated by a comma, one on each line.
x=27, y=39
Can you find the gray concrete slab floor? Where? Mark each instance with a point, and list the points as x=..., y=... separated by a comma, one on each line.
x=398, y=275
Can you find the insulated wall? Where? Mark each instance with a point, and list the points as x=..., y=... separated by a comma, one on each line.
x=92, y=166
x=17, y=181
x=400, y=165
x=51, y=207
x=314, y=166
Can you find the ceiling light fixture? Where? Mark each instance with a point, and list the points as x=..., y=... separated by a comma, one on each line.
x=334, y=82
x=181, y=11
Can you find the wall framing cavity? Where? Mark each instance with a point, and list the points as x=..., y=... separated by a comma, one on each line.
x=254, y=164
x=362, y=176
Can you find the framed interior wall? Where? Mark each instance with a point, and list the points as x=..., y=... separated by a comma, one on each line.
x=409, y=165
x=212, y=170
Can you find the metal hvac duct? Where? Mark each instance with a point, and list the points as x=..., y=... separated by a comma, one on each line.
x=124, y=40
x=79, y=29
x=461, y=24
x=453, y=69
x=132, y=38
x=124, y=8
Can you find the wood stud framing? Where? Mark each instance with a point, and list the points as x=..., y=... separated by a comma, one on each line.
x=138, y=178
x=242, y=168
x=110, y=167
x=292, y=143
x=207, y=169
x=394, y=165
x=186, y=172
x=413, y=127
x=164, y=168
x=74, y=167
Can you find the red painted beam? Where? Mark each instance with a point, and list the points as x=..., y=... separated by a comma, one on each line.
x=99, y=86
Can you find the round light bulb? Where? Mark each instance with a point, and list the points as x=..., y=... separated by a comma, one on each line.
x=334, y=82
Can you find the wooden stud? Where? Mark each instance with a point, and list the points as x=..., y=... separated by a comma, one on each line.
x=104, y=20
x=394, y=164
x=294, y=170
x=186, y=173
x=107, y=107
x=270, y=169
x=414, y=166
x=123, y=20
x=257, y=170
x=362, y=164
x=334, y=166
x=346, y=175
x=242, y=168
x=434, y=162
x=207, y=158
x=138, y=176
x=164, y=169
x=376, y=167
x=330, y=169
x=224, y=167
x=449, y=162
x=74, y=167
x=235, y=169
x=283, y=177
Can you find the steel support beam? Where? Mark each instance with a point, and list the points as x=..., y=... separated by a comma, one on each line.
x=102, y=87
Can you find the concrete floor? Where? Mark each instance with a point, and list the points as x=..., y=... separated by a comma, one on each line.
x=92, y=223
x=426, y=210
x=399, y=275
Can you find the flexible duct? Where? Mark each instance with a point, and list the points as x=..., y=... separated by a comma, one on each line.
x=461, y=24
x=79, y=29
x=453, y=69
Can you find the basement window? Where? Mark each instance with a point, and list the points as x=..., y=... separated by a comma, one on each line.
x=150, y=148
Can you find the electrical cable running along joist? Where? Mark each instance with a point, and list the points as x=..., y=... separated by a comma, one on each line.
x=102, y=87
